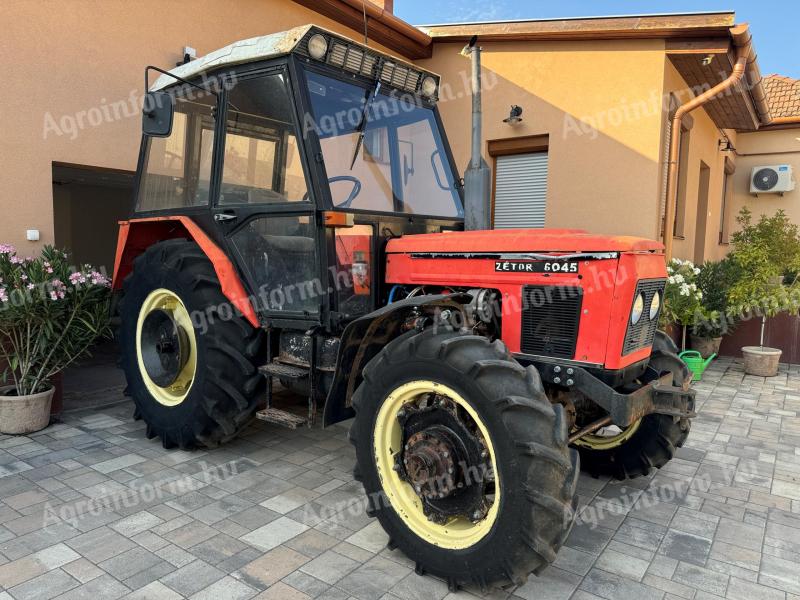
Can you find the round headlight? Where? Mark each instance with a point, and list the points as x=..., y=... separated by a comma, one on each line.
x=638, y=309
x=317, y=46
x=429, y=86
x=655, y=305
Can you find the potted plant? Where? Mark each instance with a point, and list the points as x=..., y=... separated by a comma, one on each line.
x=767, y=254
x=50, y=315
x=713, y=320
x=682, y=297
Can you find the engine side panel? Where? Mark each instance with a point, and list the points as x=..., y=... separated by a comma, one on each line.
x=607, y=286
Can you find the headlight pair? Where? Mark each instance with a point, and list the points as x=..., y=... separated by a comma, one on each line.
x=638, y=307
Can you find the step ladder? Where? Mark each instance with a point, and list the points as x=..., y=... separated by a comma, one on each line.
x=293, y=373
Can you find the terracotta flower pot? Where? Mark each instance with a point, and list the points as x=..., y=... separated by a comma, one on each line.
x=761, y=361
x=704, y=345
x=24, y=414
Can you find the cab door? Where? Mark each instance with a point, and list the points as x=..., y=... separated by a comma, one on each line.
x=264, y=206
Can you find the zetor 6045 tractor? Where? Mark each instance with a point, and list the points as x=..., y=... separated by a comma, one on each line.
x=299, y=218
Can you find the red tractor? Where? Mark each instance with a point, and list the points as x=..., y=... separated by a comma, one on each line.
x=299, y=218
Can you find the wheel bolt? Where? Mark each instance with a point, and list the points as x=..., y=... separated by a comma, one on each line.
x=396, y=467
x=446, y=454
x=484, y=453
x=476, y=515
x=401, y=414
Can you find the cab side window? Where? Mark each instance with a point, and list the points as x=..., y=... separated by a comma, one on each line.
x=262, y=162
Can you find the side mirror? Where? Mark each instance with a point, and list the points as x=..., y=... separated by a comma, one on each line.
x=157, y=114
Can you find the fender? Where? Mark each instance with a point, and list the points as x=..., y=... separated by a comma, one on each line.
x=136, y=235
x=363, y=338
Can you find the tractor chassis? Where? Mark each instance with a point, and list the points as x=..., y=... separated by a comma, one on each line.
x=658, y=396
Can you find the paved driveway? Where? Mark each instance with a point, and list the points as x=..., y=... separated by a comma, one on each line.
x=92, y=509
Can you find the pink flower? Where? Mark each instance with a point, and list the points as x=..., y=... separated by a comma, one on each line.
x=3, y=295
x=49, y=269
x=15, y=260
x=53, y=296
x=7, y=249
x=30, y=286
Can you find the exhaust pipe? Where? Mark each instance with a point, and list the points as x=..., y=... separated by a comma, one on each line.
x=477, y=183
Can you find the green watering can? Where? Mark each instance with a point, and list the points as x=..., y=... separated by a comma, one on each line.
x=694, y=360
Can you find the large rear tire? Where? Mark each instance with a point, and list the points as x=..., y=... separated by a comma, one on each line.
x=190, y=360
x=648, y=443
x=528, y=501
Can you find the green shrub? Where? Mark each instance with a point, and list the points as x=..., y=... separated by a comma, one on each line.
x=50, y=315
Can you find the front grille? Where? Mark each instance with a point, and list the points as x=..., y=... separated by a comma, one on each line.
x=643, y=333
x=550, y=318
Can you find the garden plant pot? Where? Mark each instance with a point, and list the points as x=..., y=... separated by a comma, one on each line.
x=761, y=360
x=704, y=345
x=24, y=414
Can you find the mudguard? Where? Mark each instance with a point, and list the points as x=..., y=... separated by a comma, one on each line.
x=136, y=235
x=366, y=336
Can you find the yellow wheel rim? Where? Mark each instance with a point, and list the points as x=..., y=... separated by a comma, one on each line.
x=458, y=532
x=607, y=442
x=175, y=393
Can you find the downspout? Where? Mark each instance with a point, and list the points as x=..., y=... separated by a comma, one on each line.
x=742, y=39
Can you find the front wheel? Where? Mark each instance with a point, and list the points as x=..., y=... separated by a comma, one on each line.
x=648, y=443
x=464, y=460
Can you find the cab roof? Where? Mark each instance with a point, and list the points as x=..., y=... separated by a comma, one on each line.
x=262, y=48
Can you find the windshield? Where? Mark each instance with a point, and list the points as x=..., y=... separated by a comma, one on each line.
x=401, y=166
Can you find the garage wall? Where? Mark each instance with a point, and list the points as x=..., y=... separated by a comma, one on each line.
x=64, y=59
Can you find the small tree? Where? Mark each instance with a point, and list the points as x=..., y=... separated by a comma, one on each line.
x=50, y=315
x=765, y=253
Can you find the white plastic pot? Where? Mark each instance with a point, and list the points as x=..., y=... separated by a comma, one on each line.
x=24, y=414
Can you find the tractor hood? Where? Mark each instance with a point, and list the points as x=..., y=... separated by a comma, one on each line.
x=520, y=240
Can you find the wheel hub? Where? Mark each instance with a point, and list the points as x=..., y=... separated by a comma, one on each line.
x=165, y=347
x=428, y=461
x=444, y=461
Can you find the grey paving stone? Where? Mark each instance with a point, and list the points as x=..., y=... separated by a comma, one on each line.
x=43, y=587
x=610, y=586
x=330, y=567
x=685, y=547
x=701, y=578
x=373, y=579
x=552, y=584
x=192, y=578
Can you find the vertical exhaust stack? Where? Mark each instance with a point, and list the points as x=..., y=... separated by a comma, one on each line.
x=476, y=178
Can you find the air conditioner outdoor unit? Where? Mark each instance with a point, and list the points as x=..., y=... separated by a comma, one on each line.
x=771, y=179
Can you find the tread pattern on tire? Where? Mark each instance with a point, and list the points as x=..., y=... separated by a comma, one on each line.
x=537, y=430
x=230, y=383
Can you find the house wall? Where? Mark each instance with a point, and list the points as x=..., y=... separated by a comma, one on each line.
x=703, y=148
x=780, y=146
x=64, y=63
x=599, y=103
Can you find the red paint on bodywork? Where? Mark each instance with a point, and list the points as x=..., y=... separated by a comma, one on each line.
x=136, y=235
x=608, y=284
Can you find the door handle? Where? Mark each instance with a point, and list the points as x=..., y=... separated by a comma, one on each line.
x=224, y=217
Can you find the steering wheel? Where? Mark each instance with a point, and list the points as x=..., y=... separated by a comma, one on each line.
x=353, y=193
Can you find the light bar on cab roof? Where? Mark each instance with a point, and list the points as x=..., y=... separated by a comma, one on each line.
x=339, y=52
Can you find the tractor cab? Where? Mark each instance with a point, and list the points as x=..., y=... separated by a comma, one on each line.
x=300, y=154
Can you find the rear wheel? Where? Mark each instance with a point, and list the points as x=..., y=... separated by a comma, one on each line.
x=648, y=443
x=464, y=460
x=189, y=359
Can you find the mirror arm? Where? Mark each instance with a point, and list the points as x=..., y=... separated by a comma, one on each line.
x=181, y=79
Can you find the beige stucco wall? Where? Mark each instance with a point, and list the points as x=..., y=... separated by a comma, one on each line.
x=64, y=59
x=703, y=146
x=781, y=146
x=599, y=102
